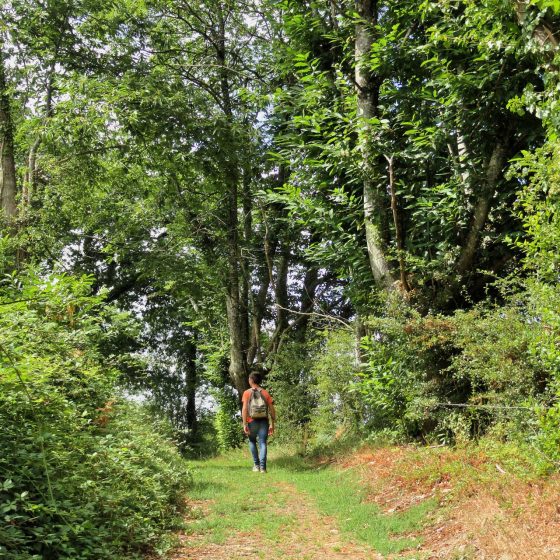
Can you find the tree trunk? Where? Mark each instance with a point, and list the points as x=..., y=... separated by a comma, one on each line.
x=399, y=227
x=281, y=296
x=30, y=174
x=259, y=300
x=367, y=86
x=307, y=302
x=237, y=369
x=360, y=358
x=245, y=261
x=30, y=180
x=482, y=208
x=238, y=346
x=542, y=33
x=258, y=309
x=8, y=184
x=191, y=383
x=463, y=159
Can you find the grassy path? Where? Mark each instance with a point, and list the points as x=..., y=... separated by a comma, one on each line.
x=296, y=511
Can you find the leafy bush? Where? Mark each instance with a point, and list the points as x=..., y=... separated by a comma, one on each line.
x=334, y=372
x=293, y=386
x=539, y=208
x=545, y=352
x=394, y=380
x=227, y=422
x=461, y=376
x=83, y=475
x=314, y=391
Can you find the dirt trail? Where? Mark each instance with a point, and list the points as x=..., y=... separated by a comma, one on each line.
x=311, y=536
x=481, y=511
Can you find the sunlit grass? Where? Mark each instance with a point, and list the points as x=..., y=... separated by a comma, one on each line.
x=338, y=493
x=241, y=500
x=244, y=501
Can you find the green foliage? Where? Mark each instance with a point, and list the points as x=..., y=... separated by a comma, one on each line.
x=313, y=385
x=538, y=207
x=545, y=352
x=441, y=111
x=334, y=370
x=83, y=474
x=544, y=4
x=293, y=386
x=180, y=168
x=460, y=376
x=227, y=422
x=388, y=385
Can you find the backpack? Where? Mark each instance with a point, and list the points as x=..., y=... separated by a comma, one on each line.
x=257, y=405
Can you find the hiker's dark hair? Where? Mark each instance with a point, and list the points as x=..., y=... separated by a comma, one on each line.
x=256, y=377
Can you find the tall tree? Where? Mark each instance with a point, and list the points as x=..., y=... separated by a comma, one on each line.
x=8, y=178
x=367, y=94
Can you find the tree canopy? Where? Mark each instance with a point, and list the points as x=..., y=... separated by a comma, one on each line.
x=240, y=176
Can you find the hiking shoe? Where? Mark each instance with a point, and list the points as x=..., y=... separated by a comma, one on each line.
x=256, y=469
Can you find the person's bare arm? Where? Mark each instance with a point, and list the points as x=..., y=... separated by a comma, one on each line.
x=272, y=414
x=244, y=416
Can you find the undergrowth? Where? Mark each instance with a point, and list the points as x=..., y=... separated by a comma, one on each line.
x=83, y=475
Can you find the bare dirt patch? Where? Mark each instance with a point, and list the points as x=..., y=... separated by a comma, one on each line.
x=240, y=545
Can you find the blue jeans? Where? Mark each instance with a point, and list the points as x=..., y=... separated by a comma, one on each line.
x=258, y=428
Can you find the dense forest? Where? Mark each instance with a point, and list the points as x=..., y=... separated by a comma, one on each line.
x=360, y=200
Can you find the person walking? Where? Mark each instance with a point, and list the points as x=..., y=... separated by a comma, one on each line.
x=258, y=408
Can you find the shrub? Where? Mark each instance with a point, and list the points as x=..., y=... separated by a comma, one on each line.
x=545, y=354
x=314, y=391
x=399, y=375
x=334, y=372
x=227, y=422
x=460, y=376
x=83, y=475
x=293, y=386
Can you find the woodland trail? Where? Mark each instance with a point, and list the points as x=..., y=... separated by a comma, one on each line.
x=391, y=503
x=300, y=532
x=287, y=513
